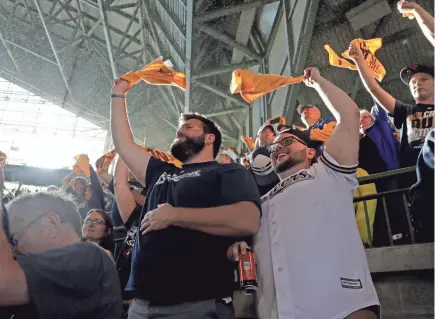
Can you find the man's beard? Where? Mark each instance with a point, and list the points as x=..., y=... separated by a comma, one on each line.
x=191, y=146
x=290, y=162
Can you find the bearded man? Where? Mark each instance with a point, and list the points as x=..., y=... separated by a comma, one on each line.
x=190, y=217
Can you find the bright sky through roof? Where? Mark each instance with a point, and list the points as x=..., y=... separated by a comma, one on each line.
x=39, y=133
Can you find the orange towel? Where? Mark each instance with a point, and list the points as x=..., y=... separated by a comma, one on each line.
x=368, y=48
x=157, y=73
x=164, y=157
x=82, y=165
x=408, y=15
x=102, y=164
x=252, y=85
x=249, y=142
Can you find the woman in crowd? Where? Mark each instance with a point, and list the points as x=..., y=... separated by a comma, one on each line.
x=379, y=152
x=98, y=229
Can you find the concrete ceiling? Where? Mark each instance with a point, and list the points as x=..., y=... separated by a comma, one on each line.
x=68, y=51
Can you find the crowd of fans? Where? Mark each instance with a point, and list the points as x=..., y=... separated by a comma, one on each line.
x=290, y=198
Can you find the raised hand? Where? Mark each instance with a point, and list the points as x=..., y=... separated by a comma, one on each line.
x=311, y=76
x=120, y=86
x=355, y=52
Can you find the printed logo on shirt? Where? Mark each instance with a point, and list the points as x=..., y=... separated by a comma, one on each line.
x=351, y=283
x=419, y=124
x=291, y=180
x=176, y=178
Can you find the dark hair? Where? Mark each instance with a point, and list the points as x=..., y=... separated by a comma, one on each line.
x=108, y=241
x=208, y=126
x=41, y=203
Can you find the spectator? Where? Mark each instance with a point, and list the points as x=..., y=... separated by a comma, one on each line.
x=93, y=195
x=311, y=262
x=260, y=163
x=227, y=157
x=379, y=152
x=98, y=229
x=319, y=129
x=54, y=275
x=75, y=184
x=422, y=192
x=192, y=215
x=129, y=211
x=416, y=119
x=376, y=127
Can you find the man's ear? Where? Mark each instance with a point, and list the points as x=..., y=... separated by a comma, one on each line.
x=210, y=138
x=311, y=153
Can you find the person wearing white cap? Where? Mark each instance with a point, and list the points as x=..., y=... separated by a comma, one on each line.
x=227, y=157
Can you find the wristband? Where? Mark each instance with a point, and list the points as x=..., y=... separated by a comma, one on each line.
x=117, y=95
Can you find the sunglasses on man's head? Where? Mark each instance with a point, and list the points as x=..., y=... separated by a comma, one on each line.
x=284, y=142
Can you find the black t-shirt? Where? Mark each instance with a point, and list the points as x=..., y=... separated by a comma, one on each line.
x=73, y=282
x=123, y=260
x=177, y=265
x=416, y=121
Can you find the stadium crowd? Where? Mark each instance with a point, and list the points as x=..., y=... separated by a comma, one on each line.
x=290, y=198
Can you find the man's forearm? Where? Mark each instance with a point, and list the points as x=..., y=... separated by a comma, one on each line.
x=337, y=101
x=240, y=219
x=426, y=23
x=366, y=75
x=121, y=131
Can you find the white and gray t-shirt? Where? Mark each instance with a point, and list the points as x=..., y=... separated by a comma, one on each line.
x=311, y=261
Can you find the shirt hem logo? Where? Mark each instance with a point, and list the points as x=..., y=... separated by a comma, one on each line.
x=351, y=283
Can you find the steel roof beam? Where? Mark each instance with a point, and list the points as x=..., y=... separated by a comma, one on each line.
x=225, y=69
x=107, y=37
x=231, y=10
x=144, y=14
x=53, y=48
x=188, y=51
x=8, y=50
x=222, y=94
x=228, y=40
x=127, y=29
x=228, y=111
x=173, y=18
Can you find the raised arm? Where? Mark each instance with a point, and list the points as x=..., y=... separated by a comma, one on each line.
x=133, y=155
x=424, y=19
x=384, y=98
x=124, y=197
x=343, y=145
x=13, y=285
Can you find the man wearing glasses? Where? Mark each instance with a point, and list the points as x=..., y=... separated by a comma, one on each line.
x=311, y=262
x=48, y=272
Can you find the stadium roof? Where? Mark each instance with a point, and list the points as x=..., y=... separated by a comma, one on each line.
x=68, y=51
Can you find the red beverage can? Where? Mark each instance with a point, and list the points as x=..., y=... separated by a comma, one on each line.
x=248, y=272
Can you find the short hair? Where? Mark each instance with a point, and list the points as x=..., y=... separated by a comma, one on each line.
x=108, y=242
x=368, y=113
x=42, y=203
x=81, y=180
x=208, y=126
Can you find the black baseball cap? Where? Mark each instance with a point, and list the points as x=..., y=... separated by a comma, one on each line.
x=302, y=135
x=409, y=71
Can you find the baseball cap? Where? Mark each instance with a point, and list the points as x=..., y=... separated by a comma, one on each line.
x=301, y=107
x=302, y=135
x=261, y=129
x=230, y=154
x=409, y=71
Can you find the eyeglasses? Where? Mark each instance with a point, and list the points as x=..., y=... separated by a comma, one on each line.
x=14, y=240
x=284, y=142
x=89, y=221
